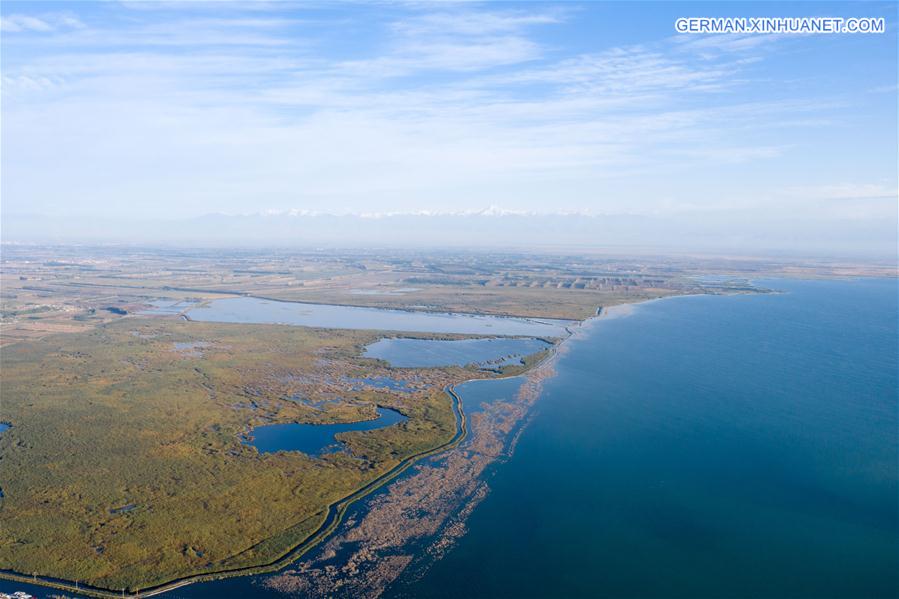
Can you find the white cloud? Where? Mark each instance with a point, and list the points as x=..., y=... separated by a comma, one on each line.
x=712, y=44
x=445, y=55
x=17, y=23
x=460, y=110
x=628, y=71
x=465, y=41
x=472, y=23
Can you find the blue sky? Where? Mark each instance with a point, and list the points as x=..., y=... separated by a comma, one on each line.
x=142, y=109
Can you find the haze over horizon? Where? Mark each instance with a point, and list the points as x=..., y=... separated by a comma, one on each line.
x=485, y=230
x=198, y=124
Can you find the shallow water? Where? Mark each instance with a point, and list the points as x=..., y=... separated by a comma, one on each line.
x=380, y=382
x=737, y=446
x=477, y=394
x=164, y=307
x=262, y=311
x=124, y=509
x=490, y=352
x=314, y=439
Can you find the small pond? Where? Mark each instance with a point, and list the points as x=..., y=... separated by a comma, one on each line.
x=313, y=439
x=124, y=509
x=487, y=353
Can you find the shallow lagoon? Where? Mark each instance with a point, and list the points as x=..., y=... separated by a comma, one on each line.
x=417, y=353
x=314, y=439
x=475, y=395
x=254, y=310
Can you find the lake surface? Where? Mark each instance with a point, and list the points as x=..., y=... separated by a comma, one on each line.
x=417, y=353
x=738, y=446
x=313, y=439
x=261, y=311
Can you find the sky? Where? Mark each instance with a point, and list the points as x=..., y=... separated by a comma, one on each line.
x=139, y=110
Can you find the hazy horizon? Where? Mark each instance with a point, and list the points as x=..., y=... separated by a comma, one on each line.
x=538, y=232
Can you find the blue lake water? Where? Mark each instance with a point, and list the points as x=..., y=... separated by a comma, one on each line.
x=260, y=311
x=740, y=446
x=416, y=353
x=313, y=439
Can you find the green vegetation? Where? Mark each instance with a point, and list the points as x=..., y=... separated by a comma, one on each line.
x=124, y=466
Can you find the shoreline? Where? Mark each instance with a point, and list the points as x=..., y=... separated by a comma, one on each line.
x=425, y=511
x=335, y=512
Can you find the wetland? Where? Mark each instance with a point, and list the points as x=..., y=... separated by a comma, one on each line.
x=127, y=442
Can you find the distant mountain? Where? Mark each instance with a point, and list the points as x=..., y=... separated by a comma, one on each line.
x=720, y=232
